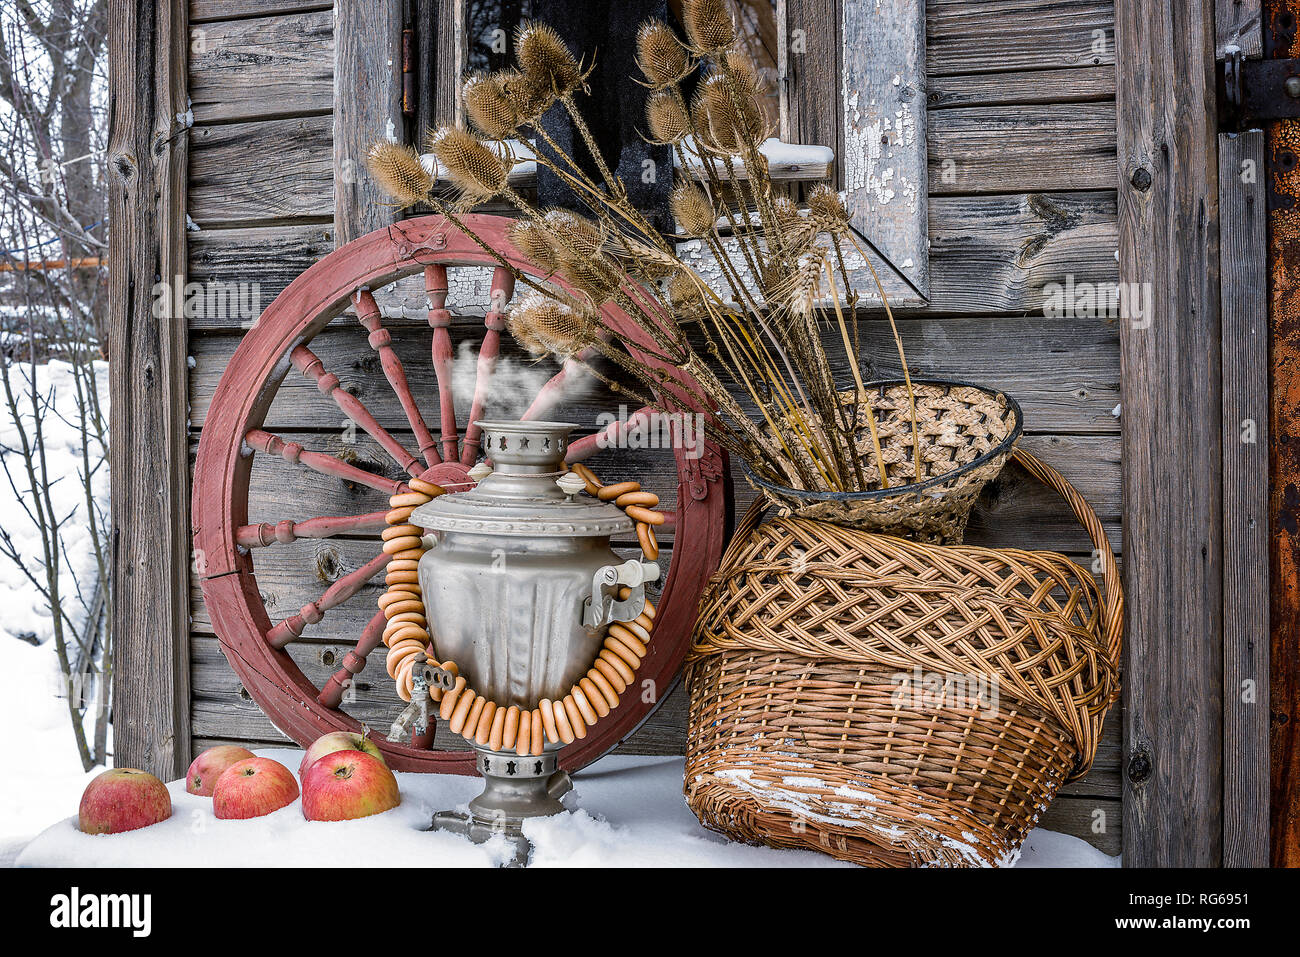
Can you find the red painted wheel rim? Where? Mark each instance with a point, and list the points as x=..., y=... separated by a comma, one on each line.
x=223, y=468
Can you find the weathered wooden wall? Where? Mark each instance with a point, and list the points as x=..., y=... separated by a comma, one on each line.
x=1022, y=158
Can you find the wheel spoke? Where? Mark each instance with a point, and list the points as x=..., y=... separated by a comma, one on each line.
x=381, y=341
x=503, y=287
x=312, y=612
x=331, y=695
x=612, y=435
x=435, y=284
x=310, y=365
x=294, y=453
x=286, y=530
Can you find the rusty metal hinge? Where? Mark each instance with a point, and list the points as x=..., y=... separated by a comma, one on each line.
x=1252, y=92
x=409, y=85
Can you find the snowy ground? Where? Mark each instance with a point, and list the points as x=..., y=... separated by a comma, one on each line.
x=629, y=812
x=43, y=773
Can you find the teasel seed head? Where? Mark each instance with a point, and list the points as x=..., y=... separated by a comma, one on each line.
x=546, y=59
x=708, y=25
x=666, y=116
x=730, y=113
x=398, y=171
x=489, y=107
x=574, y=235
x=536, y=243
x=541, y=322
x=828, y=208
x=692, y=209
x=598, y=277
x=743, y=72
x=660, y=54
x=685, y=296
x=478, y=172
x=527, y=94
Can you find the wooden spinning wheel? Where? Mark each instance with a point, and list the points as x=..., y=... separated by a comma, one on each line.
x=227, y=545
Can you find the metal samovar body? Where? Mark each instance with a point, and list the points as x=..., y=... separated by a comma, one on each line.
x=519, y=584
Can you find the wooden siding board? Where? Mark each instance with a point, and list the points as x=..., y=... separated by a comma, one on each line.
x=262, y=172
x=1168, y=205
x=1072, y=85
x=268, y=67
x=1244, y=298
x=1237, y=25
x=367, y=108
x=1008, y=35
x=210, y=10
x=147, y=385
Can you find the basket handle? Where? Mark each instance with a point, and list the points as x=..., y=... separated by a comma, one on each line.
x=1113, y=599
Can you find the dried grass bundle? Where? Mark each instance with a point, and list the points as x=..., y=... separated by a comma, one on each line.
x=788, y=295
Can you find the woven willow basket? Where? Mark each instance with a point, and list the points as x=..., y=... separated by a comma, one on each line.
x=966, y=434
x=891, y=702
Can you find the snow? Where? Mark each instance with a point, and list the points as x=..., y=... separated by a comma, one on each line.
x=628, y=811
x=39, y=752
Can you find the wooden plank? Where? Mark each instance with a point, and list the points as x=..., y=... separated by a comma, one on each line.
x=1168, y=200
x=147, y=385
x=808, y=68
x=207, y=10
x=263, y=68
x=367, y=108
x=1007, y=35
x=268, y=172
x=1072, y=85
x=1237, y=27
x=883, y=104
x=1019, y=251
x=980, y=149
x=1063, y=373
x=1244, y=300
x=1099, y=821
x=987, y=253
x=449, y=59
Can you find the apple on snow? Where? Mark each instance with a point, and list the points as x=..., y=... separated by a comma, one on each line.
x=123, y=799
x=253, y=787
x=346, y=785
x=338, y=741
x=202, y=776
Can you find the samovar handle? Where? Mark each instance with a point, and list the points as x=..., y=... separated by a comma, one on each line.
x=601, y=609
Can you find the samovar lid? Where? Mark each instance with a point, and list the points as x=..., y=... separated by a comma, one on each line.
x=521, y=496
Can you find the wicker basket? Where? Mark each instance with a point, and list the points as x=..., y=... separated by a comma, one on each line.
x=966, y=434
x=891, y=702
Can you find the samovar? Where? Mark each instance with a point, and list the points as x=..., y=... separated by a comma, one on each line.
x=520, y=585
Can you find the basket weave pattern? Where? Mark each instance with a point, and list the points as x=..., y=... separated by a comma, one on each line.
x=966, y=433
x=807, y=655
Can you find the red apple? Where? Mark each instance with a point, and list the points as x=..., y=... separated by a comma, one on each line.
x=345, y=785
x=123, y=799
x=253, y=787
x=338, y=741
x=202, y=776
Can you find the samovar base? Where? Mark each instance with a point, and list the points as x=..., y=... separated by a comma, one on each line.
x=515, y=789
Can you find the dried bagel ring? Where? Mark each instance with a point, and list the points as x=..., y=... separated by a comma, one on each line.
x=639, y=514
x=448, y=704
x=576, y=721
x=472, y=719
x=497, y=731
x=630, y=657
x=585, y=707
x=611, y=492
x=403, y=499
x=428, y=488
x=397, y=531
x=396, y=515
x=611, y=675
x=641, y=634
x=403, y=605
x=645, y=536
x=510, y=728
x=591, y=694
x=586, y=474
x=410, y=554
x=562, y=725
x=644, y=499
x=403, y=565
x=461, y=714
x=538, y=734
x=402, y=544
x=525, y=736
x=618, y=664
x=629, y=640
x=548, y=720
x=603, y=686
